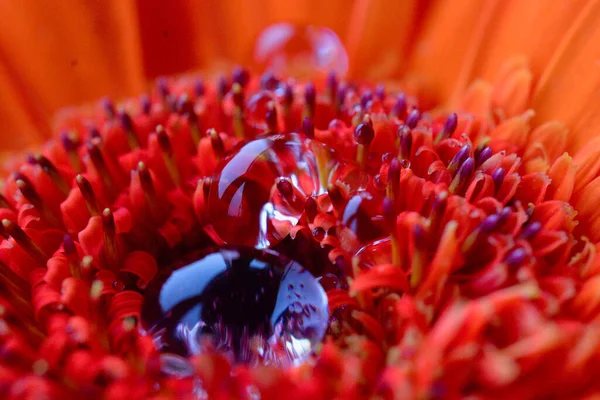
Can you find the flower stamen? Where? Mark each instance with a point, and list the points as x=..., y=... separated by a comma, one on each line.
x=363, y=135
x=93, y=147
x=405, y=142
x=129, y=129
x=53, y=173
x=271, y=118
x=167, y=154
x=310, y=96
x=111, y=250
x=32, y=196
x=462, y=176
x=87, y=192
x=22, y=239
x=71, y=254
x=399, y=109
x=149, y=190
x=238, y=110
x=448, y=129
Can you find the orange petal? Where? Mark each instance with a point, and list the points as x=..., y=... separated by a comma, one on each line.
x=512, y=87
x=587, y=164
x=512, y=133
x=379, y=36
x=587, y=301
x=551, y=137
x=562, y=174
x=570, y=84
x=56, y=54
x=531, y=28
x=446, y=51
x=585, y=201
x=478, y=99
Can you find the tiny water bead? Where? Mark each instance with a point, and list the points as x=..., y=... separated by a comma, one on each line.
x=255, y=306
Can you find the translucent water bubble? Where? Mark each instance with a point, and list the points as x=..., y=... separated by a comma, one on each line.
x=255, y=306
x=244, y=201
x=300, y=51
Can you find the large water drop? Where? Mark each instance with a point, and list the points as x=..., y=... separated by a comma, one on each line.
x=244, y=203
x=255, y=306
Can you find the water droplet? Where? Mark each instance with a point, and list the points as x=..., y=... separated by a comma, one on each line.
x=244, y=208
x=329, y=281
x=300, y=51
x=376, y=253
x=351, y=174
x=176, y=366
x=362, y=216
x=235, y=300
x=256, y=109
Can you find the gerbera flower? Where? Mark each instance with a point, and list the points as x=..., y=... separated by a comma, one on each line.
x=442, y=223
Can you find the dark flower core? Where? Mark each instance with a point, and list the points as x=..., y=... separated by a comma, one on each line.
x=451, y=258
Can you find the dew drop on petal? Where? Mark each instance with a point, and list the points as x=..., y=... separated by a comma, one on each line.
x=243, y=202
x=375, y=253
x=256, y=108
x=362, y=215
x=300, y=51
x=235, y=300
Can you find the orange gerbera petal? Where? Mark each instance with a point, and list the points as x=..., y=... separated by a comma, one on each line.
x=55, y=54
x=526, y=28
x=443, y=59
x=367, y=27
x=570, y=83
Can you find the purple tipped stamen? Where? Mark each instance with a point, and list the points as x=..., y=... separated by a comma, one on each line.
x=310, y=209
x=459, y=158
x=199, y=88
x=364, y=133
x=240, y=76
x=365, y=99
x=238, y=95
x=268, y=81
x=271, y=117
x=380, y=92
x=490, y=223
x=163, y=87
x=405, y=136
x=109, y=108
x=531, y=230
x=332, y=85
x=515, y=257
x=145, y=104
x=216, y=142
x=484, y=155
x=448, y=129
x=498, y=178
x=451, y=123
x=413, y=118
x=85, y=187
x=129, y=129
x=288, y=96
x=503, y=215
x=308, y=128
x=222, y=87
x=399, y=109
